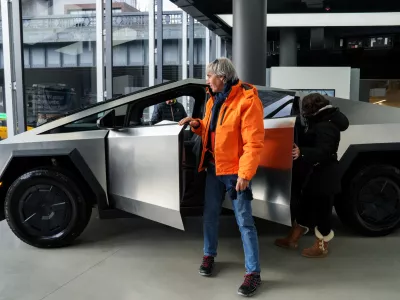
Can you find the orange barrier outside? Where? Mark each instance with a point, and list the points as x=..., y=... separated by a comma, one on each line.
x=3, y=131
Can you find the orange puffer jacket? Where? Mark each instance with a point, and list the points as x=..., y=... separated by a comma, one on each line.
x=239, y=136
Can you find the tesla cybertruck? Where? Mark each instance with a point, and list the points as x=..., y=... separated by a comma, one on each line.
x=110, y=156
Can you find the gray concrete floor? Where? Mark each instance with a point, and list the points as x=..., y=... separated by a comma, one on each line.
x=139, y=259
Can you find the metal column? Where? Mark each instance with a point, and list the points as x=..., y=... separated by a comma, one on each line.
x=207, y=46
x=225, y=48
x=191, y=47
x=207, y=58
x=288, y=47
x=185, y=52
x=152, y=63
x=184, y=45
x=213, y=54
x=151, y=43
x=99, y=50
x=250, y=40
x=218, y=44
x=160, y=60
x=50, y=7
x=18, y=58
x=109, y=50
x=8, y=89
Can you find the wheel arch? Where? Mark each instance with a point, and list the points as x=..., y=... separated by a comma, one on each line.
x=22, y=161
x=356, y=163
x=356, y=156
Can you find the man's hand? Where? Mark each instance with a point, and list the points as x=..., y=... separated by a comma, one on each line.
x=188, y=120
x=242, y=184
x=295, y=152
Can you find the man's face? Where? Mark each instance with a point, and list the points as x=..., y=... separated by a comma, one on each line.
x=169, y=102
x=215, y=82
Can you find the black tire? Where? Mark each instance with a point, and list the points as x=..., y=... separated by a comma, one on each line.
x=45, y=208
x=370, y=203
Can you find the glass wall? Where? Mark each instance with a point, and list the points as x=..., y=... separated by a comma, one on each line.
x=172, y=41
x=199, y=50
x=59, y=57
x=59, y=52
x=130, y=35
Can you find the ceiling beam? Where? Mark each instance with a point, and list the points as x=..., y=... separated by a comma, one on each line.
x=327, y=20
x=199, y=12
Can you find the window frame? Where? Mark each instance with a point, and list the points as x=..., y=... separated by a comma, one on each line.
x=136, y=109
x=281, y=109
x=294, y=111
x=137, y=106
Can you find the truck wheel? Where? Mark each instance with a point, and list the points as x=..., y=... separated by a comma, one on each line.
x=370, y=203
x=46, y=209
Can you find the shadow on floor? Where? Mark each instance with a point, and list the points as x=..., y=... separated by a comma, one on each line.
x=123, y=231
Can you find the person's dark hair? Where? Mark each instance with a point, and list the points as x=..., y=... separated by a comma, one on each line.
x=312, y=103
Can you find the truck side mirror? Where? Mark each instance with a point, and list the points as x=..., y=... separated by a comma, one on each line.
x=108, y=121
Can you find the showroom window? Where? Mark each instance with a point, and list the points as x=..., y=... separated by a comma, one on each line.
x=172, y=33
x=199, y=50
x=89, y=11
x=61, y=66
x=129, y=49
x=59, y=59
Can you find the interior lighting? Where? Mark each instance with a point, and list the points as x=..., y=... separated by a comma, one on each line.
x=379, y=102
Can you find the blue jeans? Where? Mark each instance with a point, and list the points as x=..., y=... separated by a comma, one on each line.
x=214, y=196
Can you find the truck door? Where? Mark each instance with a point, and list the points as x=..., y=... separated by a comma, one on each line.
x=272, y=184
x=144, y=172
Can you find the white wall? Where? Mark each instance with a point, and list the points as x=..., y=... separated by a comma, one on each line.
x=337, y=78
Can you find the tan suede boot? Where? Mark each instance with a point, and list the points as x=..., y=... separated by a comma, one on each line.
x=291, y=241
x=320, y=247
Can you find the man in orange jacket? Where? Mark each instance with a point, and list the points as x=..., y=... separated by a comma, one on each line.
x=232, y=134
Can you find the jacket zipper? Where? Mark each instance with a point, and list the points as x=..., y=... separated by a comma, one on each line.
x=205, y=141
x=223, y=115
x=215, y=136
x=172, y=113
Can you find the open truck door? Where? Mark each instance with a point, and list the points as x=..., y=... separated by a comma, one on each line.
x=272, y=184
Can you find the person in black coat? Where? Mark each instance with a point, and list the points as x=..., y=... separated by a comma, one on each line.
x=170, y=110
x=315, y=175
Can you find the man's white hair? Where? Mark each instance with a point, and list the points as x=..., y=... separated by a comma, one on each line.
x=223, y=67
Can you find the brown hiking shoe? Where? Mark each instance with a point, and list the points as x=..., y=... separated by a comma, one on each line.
x=320, y=247
x=291, y=241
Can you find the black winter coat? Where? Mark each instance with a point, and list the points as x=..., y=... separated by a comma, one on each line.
x=171, y=112
x=316, y=172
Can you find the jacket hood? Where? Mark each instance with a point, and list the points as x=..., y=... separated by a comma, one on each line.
x=331, y=114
